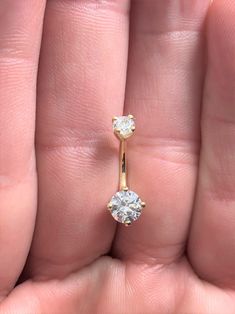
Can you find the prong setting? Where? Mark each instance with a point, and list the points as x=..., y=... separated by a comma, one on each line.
x=126, y=206
x=123, y=126
x=109, y=206
x=143, y=204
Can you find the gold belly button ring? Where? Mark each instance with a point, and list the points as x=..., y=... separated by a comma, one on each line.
x=125, y=206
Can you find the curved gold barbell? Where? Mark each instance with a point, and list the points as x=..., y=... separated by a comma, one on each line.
x=125, y=206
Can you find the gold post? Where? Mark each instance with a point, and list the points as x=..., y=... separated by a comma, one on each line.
x=123, y=166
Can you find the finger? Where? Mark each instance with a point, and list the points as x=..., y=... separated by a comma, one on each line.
x=20, y=33
x=164, y=94
x=212, y=246
x=81, y=85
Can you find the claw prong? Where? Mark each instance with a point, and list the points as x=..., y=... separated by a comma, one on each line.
x=109, y=206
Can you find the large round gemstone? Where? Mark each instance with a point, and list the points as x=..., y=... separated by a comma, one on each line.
x=126, y=206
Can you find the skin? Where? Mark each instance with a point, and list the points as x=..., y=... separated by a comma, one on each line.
x=66, y=67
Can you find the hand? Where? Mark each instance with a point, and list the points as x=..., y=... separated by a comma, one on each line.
x=178, y=82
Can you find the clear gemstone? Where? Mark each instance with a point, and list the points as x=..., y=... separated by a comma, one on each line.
x=124, y=125
x=126, y=206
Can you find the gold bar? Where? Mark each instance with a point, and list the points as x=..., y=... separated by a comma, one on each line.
x=123, y=166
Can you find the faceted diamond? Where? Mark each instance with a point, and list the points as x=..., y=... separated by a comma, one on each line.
x=124, y=126
x=126, y=206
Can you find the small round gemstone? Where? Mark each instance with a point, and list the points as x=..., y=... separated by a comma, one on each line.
x=126, y=206
x=124, y=126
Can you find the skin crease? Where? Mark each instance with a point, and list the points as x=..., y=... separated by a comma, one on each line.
x=70, y=66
